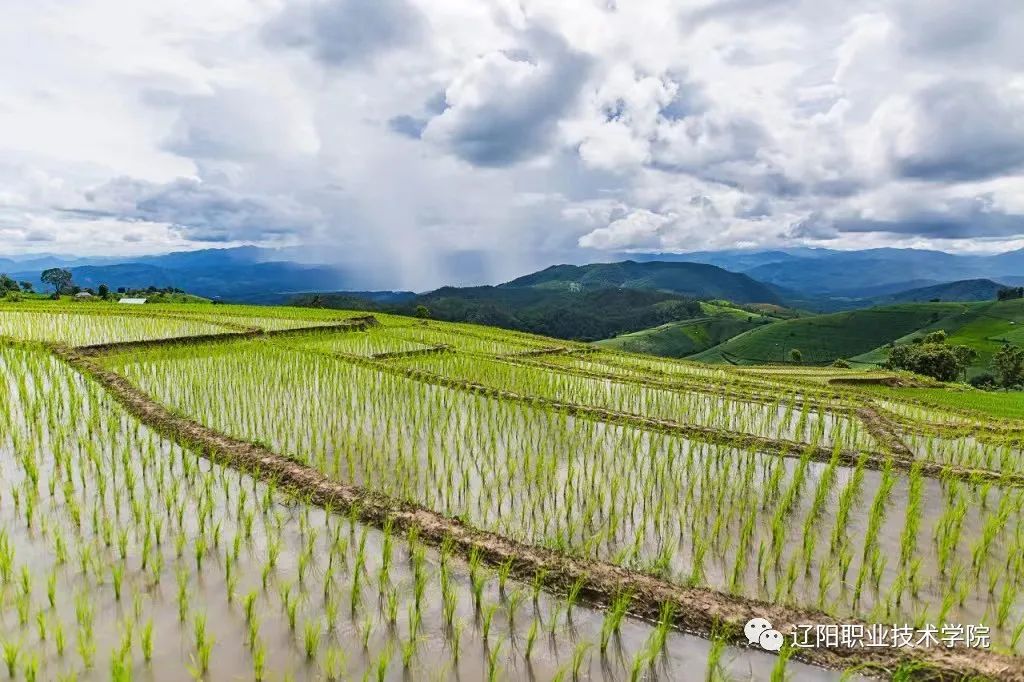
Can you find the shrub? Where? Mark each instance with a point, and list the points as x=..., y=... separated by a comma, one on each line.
x=1008, y=366
x=934, y=360
x=983, y=381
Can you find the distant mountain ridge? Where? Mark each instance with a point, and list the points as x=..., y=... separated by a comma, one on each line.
x=242, y=274
x=811, y=279
x=962, y=290
x=697, y=280
x=858, y=274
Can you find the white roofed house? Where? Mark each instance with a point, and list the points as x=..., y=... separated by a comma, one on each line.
x=132, y=301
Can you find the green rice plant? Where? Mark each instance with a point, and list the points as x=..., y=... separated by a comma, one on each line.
x=455, y=640
x=573, y=595
x=117, y=577
x=51, y=588
x=409, y=647
x=612, y=622
x=311, y=638
x=292, y=611
x=146, y=641
x=334, y=664
x=715, y=669
x=365, y=632
x=259, y=661
x=86, y=648
x=382, y=663
x=183, y=596
x=639, y=663
x=31, y=668
x=41, y=625
x=249, y=605
x=493, y=655
x=12, y=650
x=531, y=638
x=58, y=638
x=578, y=656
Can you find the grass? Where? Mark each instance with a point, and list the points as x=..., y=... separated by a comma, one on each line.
x=824, y=338
x=1000, y=404
x=687, y=337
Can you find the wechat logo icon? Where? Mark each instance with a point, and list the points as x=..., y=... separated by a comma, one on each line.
x=759, y=631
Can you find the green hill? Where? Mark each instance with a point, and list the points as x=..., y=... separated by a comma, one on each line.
x=583, y=316
x=962, y=290
x=824, y=338
x=689, y=279
x=984, y=326
x=720, y=322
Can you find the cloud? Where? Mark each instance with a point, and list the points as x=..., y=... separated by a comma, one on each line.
x=196, y=210
x=344, y=32
x=957, y=131
x=974, y=217
x=504, y=106
x=400, y=132
x=408, y=126
x=236, y=124
x=641, y=228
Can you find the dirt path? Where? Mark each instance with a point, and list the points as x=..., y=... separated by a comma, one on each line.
x=882, y=430
x=432, y=350
x=698, y=611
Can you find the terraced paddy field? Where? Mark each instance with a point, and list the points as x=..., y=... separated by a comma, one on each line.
x=309, y=495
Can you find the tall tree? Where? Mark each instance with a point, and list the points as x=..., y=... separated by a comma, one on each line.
x=1008, y=366
x=58, y=278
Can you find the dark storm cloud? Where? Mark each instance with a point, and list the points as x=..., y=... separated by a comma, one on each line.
x=199, y=211
x=408, y=126
x=963, y=131
x=952, y=28
x=961, y=219
x=338, y=32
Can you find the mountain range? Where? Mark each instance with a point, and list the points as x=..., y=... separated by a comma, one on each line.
x=830, y=274
x=813, y=279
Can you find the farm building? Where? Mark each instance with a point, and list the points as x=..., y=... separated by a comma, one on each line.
x=132, y=301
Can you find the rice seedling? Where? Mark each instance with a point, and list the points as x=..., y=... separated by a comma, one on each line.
x=12, y=650
x=600, y=481
x=311, y=638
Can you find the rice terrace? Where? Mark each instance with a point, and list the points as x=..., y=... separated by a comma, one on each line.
x=230, y=492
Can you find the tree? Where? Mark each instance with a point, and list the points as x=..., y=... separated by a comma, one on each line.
x=103, y=291
x=965, y=355
x=58, y=278
x=1008, y=366
x=26, y=287
x=796, y=356
x=936, y=361
x=422, y=311
x=1010, y=293
x=932, y=357
x=7, y=284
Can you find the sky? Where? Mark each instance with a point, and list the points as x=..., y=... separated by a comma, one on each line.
x=452, y=140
